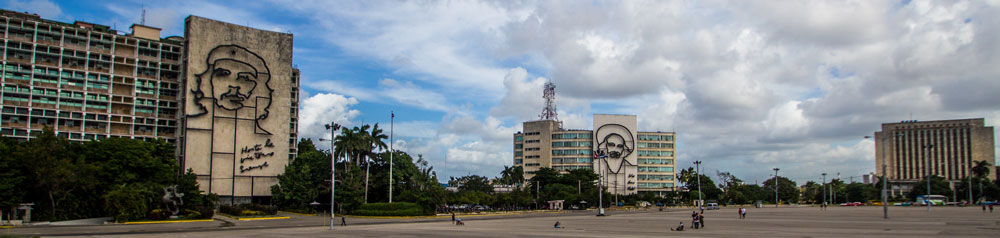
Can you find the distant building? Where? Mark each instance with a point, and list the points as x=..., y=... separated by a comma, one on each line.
x=947, y=148
x=629, y=160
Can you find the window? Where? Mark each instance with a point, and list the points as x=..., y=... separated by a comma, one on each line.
x=655, y=153
x=532, y=164
x=656, y=185
x=532, y=133
x=518, y=138
x=656, y=161
x=532, y=157
x=518, y=146
x=655, y=169
x=518, y=161
x=518, y=153
x=655, y=177
x=532, y=141
x=571, y=152
x=532, y=149
x=585, y=135
x=572, y=144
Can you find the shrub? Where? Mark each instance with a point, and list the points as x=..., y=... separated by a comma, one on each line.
x=205, y=212
x=243, y=209
x=391, y=209
x=158, y=214
x=126, y=203
x=191, y=214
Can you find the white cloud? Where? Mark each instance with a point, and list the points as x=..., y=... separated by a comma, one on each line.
x=323, y=108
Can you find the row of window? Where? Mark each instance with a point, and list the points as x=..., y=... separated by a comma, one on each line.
x=571, y=160
x=532, y=141
x=571, y=167
x=656, y=185
x=572, y=144
x=571, y=136
x=656, y=161
x=656, y=137
x=655, y=177
x=655, y=153
x=533, y=149
x=571, y=152
x=532, y=133
x=655, y=169
x=532, y=164
x=655, y=145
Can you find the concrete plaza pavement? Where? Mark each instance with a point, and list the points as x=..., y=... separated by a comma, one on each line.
x=760, y=222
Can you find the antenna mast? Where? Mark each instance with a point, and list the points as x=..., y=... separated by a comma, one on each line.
x=143, y=21
x=549, y=113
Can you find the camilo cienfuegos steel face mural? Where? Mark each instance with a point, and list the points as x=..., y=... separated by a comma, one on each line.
x=237, y=107
x=614, y=147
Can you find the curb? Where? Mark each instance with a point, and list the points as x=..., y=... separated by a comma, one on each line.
x=260, y=218
x=158, y=222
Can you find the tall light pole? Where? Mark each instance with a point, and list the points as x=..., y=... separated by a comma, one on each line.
x=333, y=127
x=775, y=187
x=600, y=184
x=392, y=120
x=697, y=174
x=824, y=189
x=970, y=184
x=928, y=165
x=885, y=178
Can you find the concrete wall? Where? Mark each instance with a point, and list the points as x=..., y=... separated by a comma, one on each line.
x=237, y=98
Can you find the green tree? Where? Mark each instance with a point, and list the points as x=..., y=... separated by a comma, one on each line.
x=981, y=168
x=471, y=183
x=813, y=193
x=54, y=171
x=12, y=179
x=787, y=190
x=859, y=192
x=938, y=187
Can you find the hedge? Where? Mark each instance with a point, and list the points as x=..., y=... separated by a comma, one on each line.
x=391, y=209
x=248, y=210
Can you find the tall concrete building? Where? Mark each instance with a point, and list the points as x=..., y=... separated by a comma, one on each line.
x=225, y=94
x=946, y=148
x=629, y=161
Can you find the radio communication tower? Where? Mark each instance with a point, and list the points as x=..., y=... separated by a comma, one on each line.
x=549, y=113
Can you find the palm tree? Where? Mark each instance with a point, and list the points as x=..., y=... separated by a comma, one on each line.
x=981, y=168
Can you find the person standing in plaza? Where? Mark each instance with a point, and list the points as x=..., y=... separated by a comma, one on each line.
x=694, y=219
x=452, y=218
x=991, y=208
x=984, y=207
x=701, y=218
x=343, y=221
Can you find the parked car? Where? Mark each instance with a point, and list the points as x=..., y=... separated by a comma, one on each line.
x=852, y=204
x=902, y=204
x=712, y=206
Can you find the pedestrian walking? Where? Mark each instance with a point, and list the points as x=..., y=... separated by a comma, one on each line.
x=696, y=222
x=984, y=207
x=343, y=221
x=701, y=218
x=452, y=218
x=743, y=214
x=739, y=213
x=694, y=219
x=991, y=208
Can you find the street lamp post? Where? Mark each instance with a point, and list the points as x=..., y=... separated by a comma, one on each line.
x=927, y=202
x=333, y=127
x=697, y=174
x=824, y=189
x=600, y=185
x=392, y=120
x=775, y=187
x=885, y=178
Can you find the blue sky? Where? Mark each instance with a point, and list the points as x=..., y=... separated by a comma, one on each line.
x=747, y=85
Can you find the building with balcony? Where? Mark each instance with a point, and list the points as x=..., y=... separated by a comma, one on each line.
x=89, y=82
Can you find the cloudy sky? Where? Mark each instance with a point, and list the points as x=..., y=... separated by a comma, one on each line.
x=747, y=85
